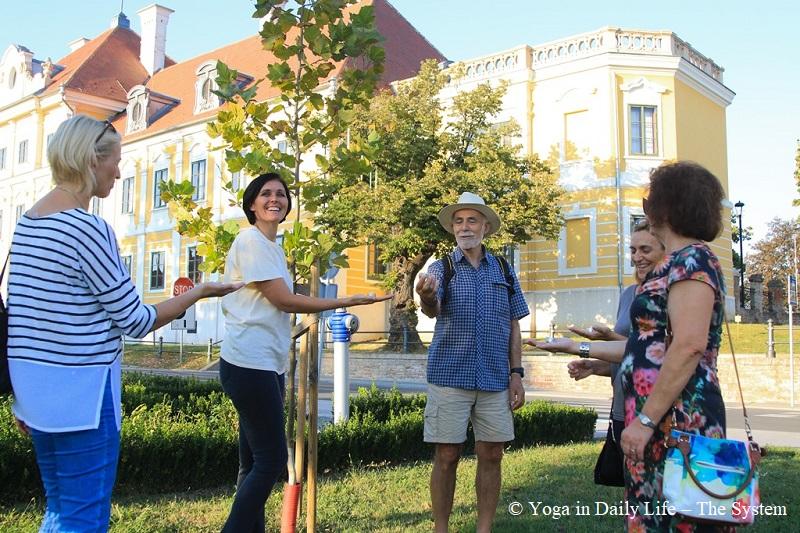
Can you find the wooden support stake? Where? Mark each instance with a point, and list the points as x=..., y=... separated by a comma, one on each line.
x=313, y=399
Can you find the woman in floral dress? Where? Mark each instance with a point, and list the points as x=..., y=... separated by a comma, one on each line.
x=684, y=209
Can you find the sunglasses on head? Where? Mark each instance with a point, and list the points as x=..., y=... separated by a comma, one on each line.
x=107, y=126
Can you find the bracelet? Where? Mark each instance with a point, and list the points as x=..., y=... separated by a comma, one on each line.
x=583, y=349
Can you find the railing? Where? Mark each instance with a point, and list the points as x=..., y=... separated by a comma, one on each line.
x=618, y=40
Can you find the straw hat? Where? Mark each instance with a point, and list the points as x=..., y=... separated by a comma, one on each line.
x=469, y=200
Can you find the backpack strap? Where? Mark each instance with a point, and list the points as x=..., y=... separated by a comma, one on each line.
x=506, y=268
x=449, y=272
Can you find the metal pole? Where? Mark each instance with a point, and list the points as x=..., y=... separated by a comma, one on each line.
x=180, y=348
x=160, y=345
x=741, y=263
x=208, y=354
x=791, y=343
x=770, y=339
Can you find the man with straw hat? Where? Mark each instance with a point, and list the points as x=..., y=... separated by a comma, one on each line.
x=474, y=361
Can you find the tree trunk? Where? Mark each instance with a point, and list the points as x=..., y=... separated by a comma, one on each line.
x=403, y=335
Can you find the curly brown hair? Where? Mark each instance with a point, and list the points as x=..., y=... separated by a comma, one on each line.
x=688, y=197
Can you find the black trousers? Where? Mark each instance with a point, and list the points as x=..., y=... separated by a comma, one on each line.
x=258, y=398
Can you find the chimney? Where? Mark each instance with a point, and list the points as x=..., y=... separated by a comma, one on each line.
x=154, y=20
x=77, y=43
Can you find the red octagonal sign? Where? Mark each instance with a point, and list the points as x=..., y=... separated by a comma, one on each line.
x=182, y=285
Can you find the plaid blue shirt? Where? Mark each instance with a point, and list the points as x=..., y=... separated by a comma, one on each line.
x=471, y=338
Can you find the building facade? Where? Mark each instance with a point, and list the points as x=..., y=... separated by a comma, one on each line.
x=603, y=108
x=161, y=108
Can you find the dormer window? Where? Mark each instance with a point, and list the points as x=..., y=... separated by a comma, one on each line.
x=12, y=78
x=205, y=84
x=138, y=101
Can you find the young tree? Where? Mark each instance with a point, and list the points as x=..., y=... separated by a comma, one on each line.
x=311, y=41
x=422, y=160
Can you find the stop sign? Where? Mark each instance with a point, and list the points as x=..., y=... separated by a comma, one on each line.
x=182, y=285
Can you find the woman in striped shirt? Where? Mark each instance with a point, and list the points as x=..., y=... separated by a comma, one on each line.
x=70, y=299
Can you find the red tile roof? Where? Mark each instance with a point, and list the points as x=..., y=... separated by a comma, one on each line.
x=107, y=66
x=405, y=49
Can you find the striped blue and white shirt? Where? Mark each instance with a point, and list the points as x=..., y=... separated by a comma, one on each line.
x=471, y=337
x=70, y=298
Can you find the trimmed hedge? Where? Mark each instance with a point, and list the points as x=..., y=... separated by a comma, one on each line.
x=182, y=434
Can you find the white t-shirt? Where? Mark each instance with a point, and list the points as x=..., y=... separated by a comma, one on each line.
x=257, y=334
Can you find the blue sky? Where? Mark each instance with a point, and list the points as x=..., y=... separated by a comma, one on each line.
x=756, y=42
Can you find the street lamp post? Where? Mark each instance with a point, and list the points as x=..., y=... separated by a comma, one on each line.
x=738, y=211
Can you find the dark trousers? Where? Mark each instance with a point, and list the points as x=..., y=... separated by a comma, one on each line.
x=258, y=398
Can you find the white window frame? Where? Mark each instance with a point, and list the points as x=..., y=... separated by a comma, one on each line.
x=22, y=152
x=128, y=185
x=563, y=270
x=158, y=203
x=643, y=92
x=201, y=185
x=199, y=273
x=164, y=273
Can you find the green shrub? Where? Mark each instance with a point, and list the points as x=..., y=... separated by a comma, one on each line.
x=182, y=434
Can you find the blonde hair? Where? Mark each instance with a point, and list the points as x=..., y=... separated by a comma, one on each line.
x=75, y=149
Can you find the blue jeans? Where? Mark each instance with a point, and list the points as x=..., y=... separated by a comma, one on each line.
x=78, y=470
x=258, y=398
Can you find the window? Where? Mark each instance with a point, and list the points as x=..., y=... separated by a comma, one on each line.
x=282, y=147
x=20, y=211
x=578, y=245
x=127, y=260
x=193, y=262
x=96, y=206
x=236, y=180
x=643, y=130
x=23, y=152
x=158, y=177
x=199, y=179
x=2, y=158
x=127, y=195
x=635, y=219
x=375, y=267
x=156, y=271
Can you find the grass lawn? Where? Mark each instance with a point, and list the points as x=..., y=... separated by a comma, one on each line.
x=396, y=499
x=752, y=338
x=145, y=355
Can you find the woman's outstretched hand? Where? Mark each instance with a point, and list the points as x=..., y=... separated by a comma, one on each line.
x=365, y=299
x=212, y=289
x=555, y=345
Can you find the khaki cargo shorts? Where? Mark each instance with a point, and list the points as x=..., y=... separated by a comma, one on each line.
x=449, y=410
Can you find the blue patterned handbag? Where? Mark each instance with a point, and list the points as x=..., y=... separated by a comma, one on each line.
x=713, y=480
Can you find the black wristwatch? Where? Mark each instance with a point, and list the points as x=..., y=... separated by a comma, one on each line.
x=518, y=370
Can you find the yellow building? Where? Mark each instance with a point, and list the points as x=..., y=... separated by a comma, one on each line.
x=604, y=108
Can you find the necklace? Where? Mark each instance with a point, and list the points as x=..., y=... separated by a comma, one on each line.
x=72, y=193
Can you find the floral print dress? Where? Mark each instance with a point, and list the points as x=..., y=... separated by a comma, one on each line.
x=699, y=409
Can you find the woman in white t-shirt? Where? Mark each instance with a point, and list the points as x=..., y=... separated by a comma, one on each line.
x=254, y=356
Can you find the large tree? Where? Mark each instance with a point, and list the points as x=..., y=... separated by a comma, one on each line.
x=422, y=158
x=773, y=256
